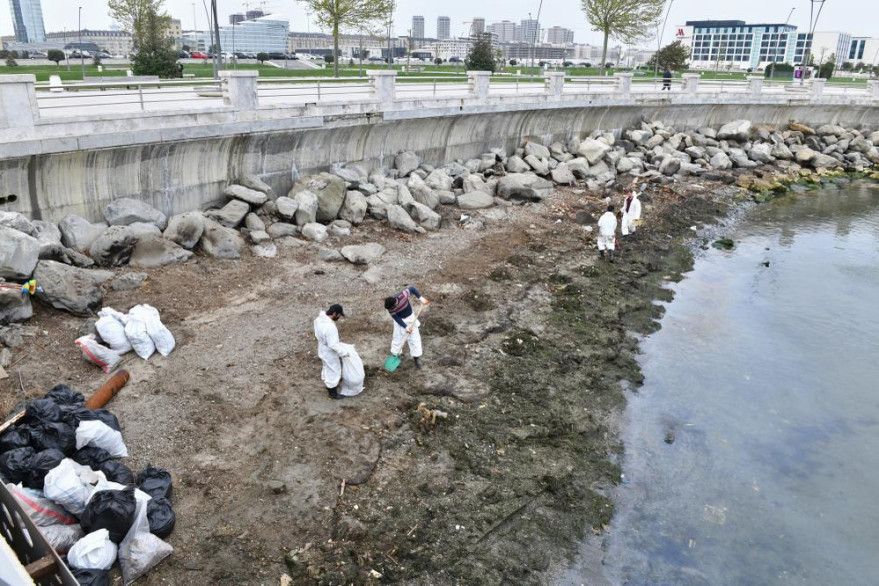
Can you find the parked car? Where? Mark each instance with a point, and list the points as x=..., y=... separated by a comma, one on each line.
x=454, y=59
x=103, y=55
x=292, y=57
x=277, y=55
x=183, y=55
x=198, y=55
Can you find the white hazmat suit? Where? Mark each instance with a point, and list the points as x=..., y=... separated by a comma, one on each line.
x=329, y=349
x=607, y=227
x=630, y=215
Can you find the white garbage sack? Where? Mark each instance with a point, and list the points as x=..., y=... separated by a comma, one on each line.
x=95, y=551
x=62, y=537
x=98, y=434
x=110, y=312
x=136, y=331
x=70, y=485
x=160, y=335
x=112, y=331
x=42, y=511
x=98, y=354
x=353, y=374
x=141, y=551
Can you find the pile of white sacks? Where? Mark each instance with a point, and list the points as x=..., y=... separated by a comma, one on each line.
x=141, y=330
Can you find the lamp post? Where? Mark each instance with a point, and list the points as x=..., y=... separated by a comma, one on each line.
x=814, y=14
x=66, y=53
x=659, y=41
x=81, y=56
x=777, y=42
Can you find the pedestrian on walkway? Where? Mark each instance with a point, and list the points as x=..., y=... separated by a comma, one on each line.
x=666, y=79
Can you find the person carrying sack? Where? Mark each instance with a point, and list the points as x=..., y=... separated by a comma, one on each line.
x=329, y=349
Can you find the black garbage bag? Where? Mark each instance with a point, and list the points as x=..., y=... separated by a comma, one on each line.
x=112, y=510
x=14, y=464
x=155, y=481
x=14, y=438
x=65, y=396
x=91, y=577
x=74, y=416
x=116, y=471
x=42, y=411
x=91, y=456
x=39, y=465
x=161, y=517
x=55, y=435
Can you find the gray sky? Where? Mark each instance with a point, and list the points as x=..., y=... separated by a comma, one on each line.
x=859, y=17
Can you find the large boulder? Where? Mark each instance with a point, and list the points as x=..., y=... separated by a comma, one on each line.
x=515, y=164
x=14, y=307
x=805, y=155
x=860, y=145
x=185, y=229
x=406, y=162
x=593, y=150
x=523, y=187
x=426, y=217
x=738, y=130
x=355, y=207
x=230, y=215
x=59, y=252
x=349, y=175
x=562, y=175
x=286, y=208
x=400, y=219
x=761, y=152
x=78, y=233
x=475, y=200
x=19, y=254
x=781, y=151
x=315, y=232
x=18, y=222
x=821, y=161
x=474, y=182
x=639, y=137
x=539, y=166
x=70, y=288
x=421, y=192
x=255, y=183
x=245, y=194
x=363, y=254
x=721, y=161
x=282, y=230
x=329, y=190
x=46, y=232
x=218, y=241
x=158, y=252
x=113, y=248
x=125, y=211
x=254, y=223
x=669, y=166
x=579, y=167
x=537, y=150
x=439, y=180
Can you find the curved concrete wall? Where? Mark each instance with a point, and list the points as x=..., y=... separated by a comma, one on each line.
x=191, y=174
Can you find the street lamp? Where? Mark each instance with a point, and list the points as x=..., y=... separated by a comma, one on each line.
x=777, y=42
x=81, y=56
x=659, y=42
x=815, y=9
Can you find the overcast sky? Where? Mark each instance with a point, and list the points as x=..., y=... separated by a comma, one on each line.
x=859, y=17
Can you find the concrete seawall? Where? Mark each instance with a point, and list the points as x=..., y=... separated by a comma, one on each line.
x=191, y=173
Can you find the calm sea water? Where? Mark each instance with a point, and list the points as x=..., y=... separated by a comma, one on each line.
x=768, y=376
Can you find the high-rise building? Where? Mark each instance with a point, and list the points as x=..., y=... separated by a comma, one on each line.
x=528, y=31
x=236, y=18
x=558, y=35
x=27, y=20
x=478, y=26
x=504, y=31
x=418, y=27
x=443, y=28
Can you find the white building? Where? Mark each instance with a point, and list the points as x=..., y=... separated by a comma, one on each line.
x=266, y=34
x=443, y=28
x=558, y=35
x=478, y=26
x=505, y=31
x=592, y=54
x=418, y=27
x=863, y=50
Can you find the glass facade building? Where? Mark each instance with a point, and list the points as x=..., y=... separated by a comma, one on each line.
x=737, y=44
x=267, y=34
x=27, y=20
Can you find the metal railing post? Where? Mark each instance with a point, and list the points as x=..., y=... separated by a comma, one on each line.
x=18, y=101
x=240, y=89
x=140, y=97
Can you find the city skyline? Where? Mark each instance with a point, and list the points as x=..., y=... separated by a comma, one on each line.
x=853, y=16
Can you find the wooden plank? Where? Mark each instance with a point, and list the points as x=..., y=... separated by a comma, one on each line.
x=45, y=566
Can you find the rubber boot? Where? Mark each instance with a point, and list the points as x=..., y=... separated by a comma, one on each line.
x=611, y=255
x=334, y=393
x=418, y=363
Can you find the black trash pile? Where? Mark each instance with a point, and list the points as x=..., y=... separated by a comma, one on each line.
x=61, y=461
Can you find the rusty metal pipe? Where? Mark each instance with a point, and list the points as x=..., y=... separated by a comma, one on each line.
x=108, y=390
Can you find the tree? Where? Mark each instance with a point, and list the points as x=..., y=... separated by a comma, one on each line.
x=331, y=59
x=480, y=56
x=779, y=70
x=674, y=56
x=262, y=57
x=364, y=16
x=153, y=51
x=847, y=66
x=826, y=69
x=628, y=21
x=513, y=62
x=96, y=60
x=10, y=60
x=55, y=55
x=437, y=61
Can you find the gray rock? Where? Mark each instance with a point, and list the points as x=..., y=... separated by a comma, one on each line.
x=426, y=217
x=286, y=208
x=738, y=130
x=762, y=153
x=19, y=254
x=593, y=150
x=329, y=190
x=185, y=229
x=475, y=200
x=400, y=219
x=349, y=175
x=125, y=211
x=258, y=236
x=721, y=161
x=71, y=289
x=46, y=232
x=363, y=254
x=473, y=165
x=128, y=281
x=14, y=307
x=625, y=165
x=474, y=182
x=579, y=167
x=230, y=215
x=536, y=150
x=282, y=230
x=655, y=141
x=254, y=223
x=315, y=232
x=539, y=167
x=339, y=228
x=329, y=255
x=247, y=195
x=421, y=192
x=824, y=162
x=805, y=155
x=113, y=248
x=255, y=183
x=860, y=145
x=406, y=162
x=446, y=197
x=355, y=207
x=562, y=175
x=639, y=137
x=874, y=138
x=523, y=187
x=17, y=221
x=158, y=252
x=265, y=250
x=218, y=241
x=78, y=233
x=781, y=151
x=439, y=180
x=60, y=253
x=517, y=165
x=669, y=166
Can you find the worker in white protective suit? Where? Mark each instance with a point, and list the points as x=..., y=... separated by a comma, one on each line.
x=631, y=212
x=607, y=231
x=330, y=349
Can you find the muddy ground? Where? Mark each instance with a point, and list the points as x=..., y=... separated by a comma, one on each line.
x=526, y=342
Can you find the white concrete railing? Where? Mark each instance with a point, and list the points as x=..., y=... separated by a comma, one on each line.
x=24, y=104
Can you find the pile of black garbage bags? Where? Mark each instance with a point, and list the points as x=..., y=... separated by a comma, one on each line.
x=62, y=463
